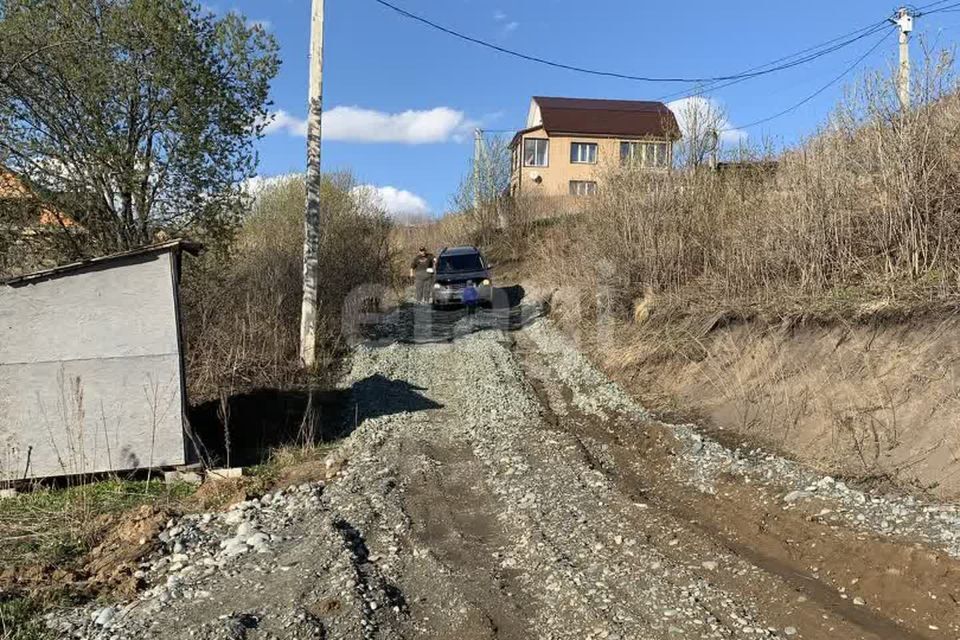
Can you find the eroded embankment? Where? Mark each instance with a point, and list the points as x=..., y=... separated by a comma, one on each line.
x=875, y=401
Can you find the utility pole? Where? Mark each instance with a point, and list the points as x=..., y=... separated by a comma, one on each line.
x=477, y=159
x=904, y=21
x=312, y=217
x=714, y=148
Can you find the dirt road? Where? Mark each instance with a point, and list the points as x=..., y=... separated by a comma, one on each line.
x=497, y=486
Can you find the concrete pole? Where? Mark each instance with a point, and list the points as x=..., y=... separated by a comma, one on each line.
x=714, y=148
x=477, y=159
x=905, y=22
x=312, y=215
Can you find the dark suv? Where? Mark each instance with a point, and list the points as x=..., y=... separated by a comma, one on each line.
x=455, y=267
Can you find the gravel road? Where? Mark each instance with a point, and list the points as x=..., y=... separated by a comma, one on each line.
x=498, y=486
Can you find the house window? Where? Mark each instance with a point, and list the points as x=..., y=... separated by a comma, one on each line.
x=536, y=152
x=648, y=155
x=583, y=188
x=583, y=153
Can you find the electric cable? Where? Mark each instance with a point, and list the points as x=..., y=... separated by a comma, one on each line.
x=815, y=93
x=623, y=76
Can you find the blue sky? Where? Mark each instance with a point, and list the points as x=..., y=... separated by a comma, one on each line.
x=401, y=100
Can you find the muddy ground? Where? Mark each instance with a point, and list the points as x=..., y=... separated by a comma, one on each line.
x=498, y=486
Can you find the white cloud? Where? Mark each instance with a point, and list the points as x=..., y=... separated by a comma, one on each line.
x=283, y=122
x=355, y=124
x=506, y=26
x=706, y=110
x=399, y=203
x=253, y=186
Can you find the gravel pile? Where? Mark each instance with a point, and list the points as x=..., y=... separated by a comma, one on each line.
x=221, y=575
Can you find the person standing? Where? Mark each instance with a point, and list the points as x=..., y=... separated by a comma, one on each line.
x=421, y=270
x=470, y=297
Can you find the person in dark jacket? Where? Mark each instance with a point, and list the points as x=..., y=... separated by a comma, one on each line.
x=421, y=270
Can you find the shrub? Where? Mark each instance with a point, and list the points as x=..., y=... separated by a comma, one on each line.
x=242, y=299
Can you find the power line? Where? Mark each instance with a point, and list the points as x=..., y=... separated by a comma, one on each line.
x=714, y=86
x=950, y=8
x=623, y=76
x=818, y=91
x=918, y=11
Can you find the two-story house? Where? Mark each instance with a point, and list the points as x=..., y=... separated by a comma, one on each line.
x=567, y=141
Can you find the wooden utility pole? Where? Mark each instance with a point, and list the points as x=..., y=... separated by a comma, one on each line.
x=904, y=21
x=312, y=216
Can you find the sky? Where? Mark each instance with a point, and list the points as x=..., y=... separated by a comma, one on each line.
x=401, y=100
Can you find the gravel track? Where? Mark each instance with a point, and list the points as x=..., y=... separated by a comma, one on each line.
x=498, y=486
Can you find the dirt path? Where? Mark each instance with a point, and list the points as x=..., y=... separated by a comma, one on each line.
x=498, y=487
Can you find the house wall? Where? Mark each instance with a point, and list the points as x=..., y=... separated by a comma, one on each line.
x=555, y=178
x=90, y=371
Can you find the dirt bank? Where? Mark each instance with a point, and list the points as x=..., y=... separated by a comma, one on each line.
x=877, y=401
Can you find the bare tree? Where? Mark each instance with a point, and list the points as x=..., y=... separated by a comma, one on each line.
x=482, y=191
x=702, y=122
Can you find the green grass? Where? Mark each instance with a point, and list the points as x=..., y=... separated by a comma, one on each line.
x=51, y=526
x=20, y=620
x=55, y=527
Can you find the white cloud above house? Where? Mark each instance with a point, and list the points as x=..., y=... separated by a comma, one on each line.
x=706, y=110
x=356, y=124
x=400, y=204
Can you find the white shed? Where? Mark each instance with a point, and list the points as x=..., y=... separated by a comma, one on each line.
x=91, y=366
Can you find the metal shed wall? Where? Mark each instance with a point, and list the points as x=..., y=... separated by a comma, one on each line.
x=90, y=370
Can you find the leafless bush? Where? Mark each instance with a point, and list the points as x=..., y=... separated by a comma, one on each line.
x=242, y=300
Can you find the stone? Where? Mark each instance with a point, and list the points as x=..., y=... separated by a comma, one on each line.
x=189, y=477
x=795, y=496
x=104, y=616
x=233, y=517
x=710, y=565
x=790, y=631
x=225, y=474
x=235, y=548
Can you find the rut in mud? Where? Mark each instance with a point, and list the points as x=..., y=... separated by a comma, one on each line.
x=497, y=486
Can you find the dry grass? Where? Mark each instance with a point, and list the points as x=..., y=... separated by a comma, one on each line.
x=864, y=214
x=242, y=300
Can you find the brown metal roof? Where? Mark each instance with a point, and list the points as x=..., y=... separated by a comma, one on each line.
x=622, y=118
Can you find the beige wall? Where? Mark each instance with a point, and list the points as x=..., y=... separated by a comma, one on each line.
x=556, y=176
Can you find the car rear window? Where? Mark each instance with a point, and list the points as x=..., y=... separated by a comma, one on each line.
x=463, y=262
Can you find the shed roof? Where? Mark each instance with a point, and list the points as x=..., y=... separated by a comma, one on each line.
x=626, y=118
x=161, y=247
